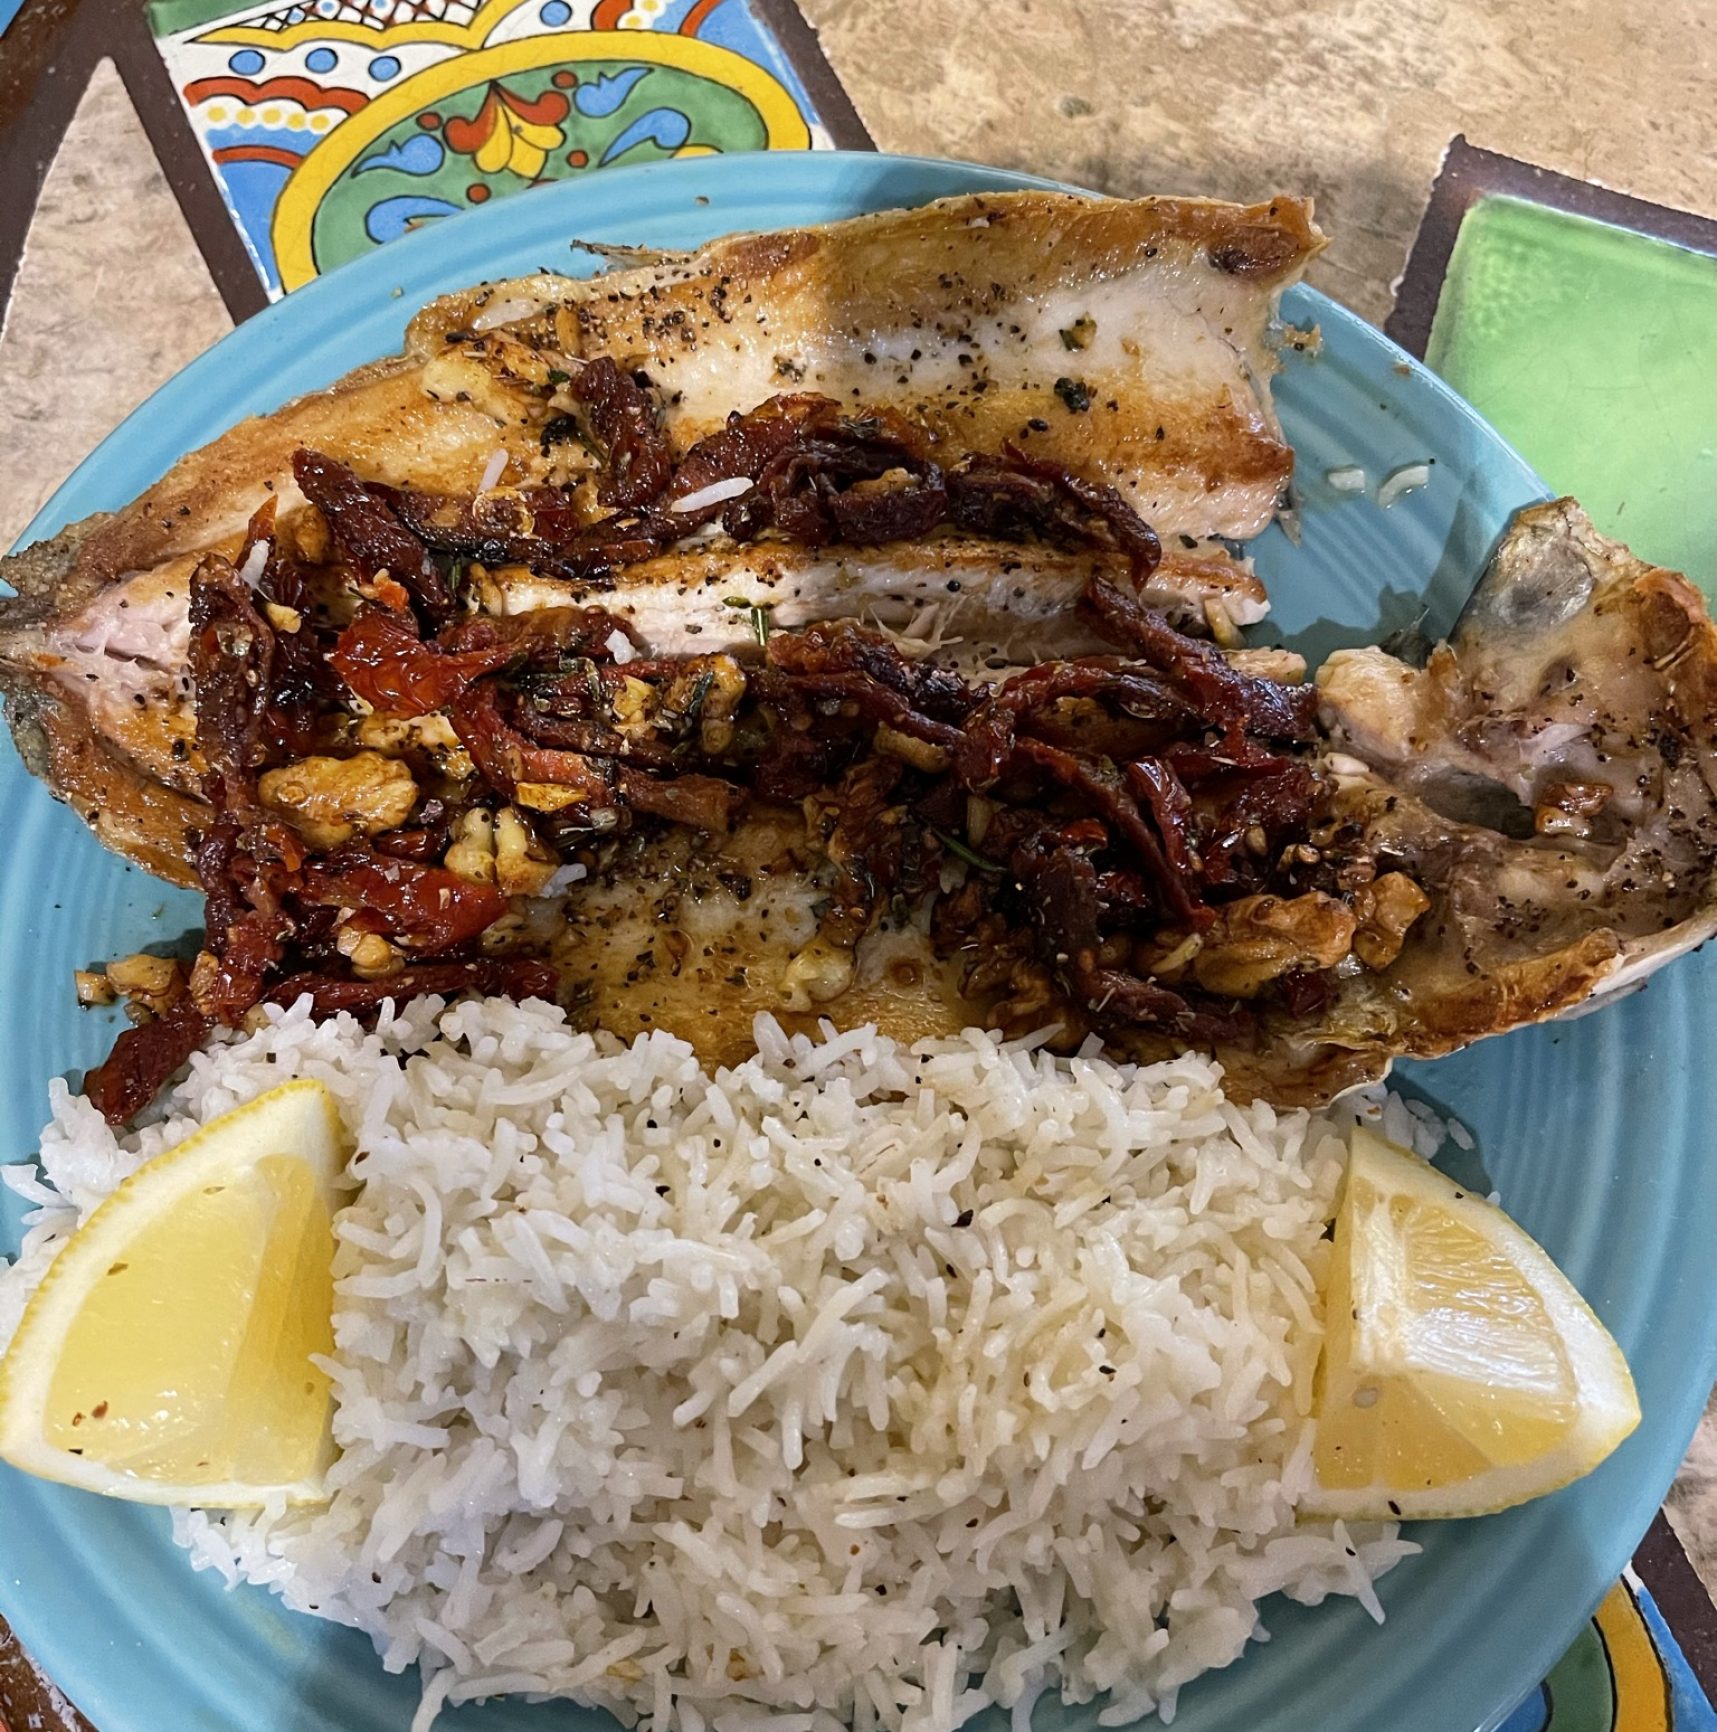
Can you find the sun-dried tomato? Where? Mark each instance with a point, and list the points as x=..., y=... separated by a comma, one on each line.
x=627, y=427
x=510, y=977
x=383, y=660
x=142, y=1059
x=368, y=528
x=427, y=908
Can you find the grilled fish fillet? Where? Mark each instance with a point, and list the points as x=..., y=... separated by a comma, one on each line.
x=1153, y=316
x=1550, y=776
x=1546, y=777
x=1575, y=668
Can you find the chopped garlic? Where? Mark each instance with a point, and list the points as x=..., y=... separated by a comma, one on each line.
x=433, y=734
x=472, y=855
x=547, y=796
x=92, y=988
x=371, y=956
x=523, y=866
x=1350, y=478
x=146, y=975
x=920, y=754
x=820, y=972
x=1221, y=623
x=505, y=312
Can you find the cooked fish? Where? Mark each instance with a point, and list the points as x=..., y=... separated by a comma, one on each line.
x=976, y=604
x=1127, y=337
x=779, y=628
x=1548, y=777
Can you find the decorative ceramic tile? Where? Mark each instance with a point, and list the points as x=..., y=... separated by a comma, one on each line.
x=1623, y=1673
x=1591, y=349
x=1582, y=323
x=333, y=126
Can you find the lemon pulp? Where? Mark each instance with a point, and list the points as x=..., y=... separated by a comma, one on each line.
x=1461, y=1371
x=167, y=1355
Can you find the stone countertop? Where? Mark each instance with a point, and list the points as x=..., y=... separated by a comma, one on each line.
x=1351, y=101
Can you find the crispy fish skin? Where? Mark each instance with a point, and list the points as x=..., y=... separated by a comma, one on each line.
x=138, y=809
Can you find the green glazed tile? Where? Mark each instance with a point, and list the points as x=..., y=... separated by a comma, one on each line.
x=1593, y=350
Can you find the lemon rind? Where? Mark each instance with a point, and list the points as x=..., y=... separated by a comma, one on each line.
x=28, y=1366
x=1609, y=1402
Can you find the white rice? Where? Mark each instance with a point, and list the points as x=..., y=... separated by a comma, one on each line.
x=856, y=1386
x=1400, y=482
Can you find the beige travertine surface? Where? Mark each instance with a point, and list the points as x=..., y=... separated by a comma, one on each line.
x=112, y=299
x=1352, y=101
x=1692, y=1502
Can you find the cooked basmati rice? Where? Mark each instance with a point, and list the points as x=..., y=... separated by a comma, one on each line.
x=857, y=1386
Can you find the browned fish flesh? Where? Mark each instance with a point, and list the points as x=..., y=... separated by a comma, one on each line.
x=854, y=692
x=1518, y=829
x=1131, y=338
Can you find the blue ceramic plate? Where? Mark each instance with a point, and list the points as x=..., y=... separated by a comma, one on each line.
x=1594, y=1131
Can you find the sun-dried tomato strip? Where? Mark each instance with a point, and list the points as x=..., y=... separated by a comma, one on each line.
x=627, y=427
x=369, y=530
x=142, y=1060
x=1214, y=687
x=510, y=977
x=426, y=908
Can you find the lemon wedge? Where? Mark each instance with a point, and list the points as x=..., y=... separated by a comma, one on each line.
x=166, y=1356
x=1461, y=1371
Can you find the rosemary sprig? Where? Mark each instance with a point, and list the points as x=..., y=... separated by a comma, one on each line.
x=961, y=851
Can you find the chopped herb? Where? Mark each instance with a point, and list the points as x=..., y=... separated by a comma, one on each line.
x=735, y=601
x=1078, y=335
x=558, y=375
x=760, y=624
x=1074, y=394
x=694, y=708
x=961, y=852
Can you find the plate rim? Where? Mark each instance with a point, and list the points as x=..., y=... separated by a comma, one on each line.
x=275, y=320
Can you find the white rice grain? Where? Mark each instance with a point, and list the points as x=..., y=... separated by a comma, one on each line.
x=835, y=1389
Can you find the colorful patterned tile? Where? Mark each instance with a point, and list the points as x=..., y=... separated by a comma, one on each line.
x=332, y=126
x=1623, y=1673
